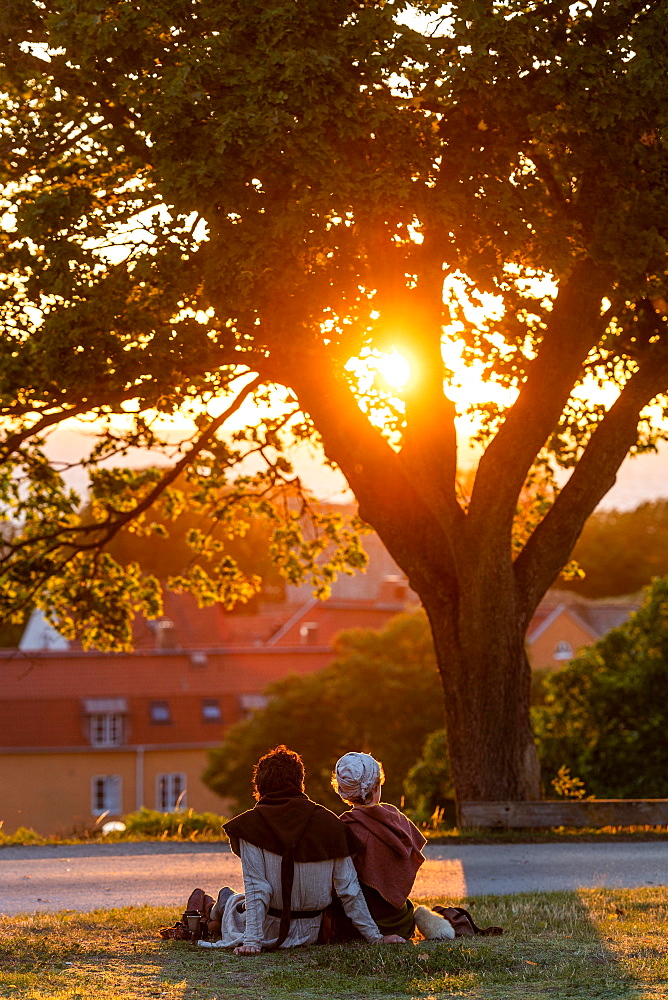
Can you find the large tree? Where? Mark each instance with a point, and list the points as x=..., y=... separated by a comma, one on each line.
x=206, y=200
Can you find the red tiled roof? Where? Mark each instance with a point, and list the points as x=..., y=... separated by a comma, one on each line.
x=212, y=627
x=596, y=616
x=279, y=624
x=42, y=694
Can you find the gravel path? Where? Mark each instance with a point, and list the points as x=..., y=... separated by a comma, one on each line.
x=86, y=877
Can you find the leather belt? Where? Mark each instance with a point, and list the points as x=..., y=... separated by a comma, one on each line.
x=273, y=911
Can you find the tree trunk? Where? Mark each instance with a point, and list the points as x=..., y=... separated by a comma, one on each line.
x=486, y=681
x=463, y=572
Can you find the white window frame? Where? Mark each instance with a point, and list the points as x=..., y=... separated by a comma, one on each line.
x=171, y=791
x=563, y=650
x=106, y=794
x=106, y=729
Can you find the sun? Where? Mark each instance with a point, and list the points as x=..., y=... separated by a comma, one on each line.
x=394, y=368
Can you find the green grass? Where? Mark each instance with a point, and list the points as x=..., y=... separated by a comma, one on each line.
x=145, y=824
x=548, y=835
x=211, y=833
x=590, y=945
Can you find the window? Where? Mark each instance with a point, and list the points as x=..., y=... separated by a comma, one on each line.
x=105, y=794
x=170, y=792
x=105, y=723
x=563, y=650
x=106, y=729
x=211, y=710
x=160, y=712
x=249, y=703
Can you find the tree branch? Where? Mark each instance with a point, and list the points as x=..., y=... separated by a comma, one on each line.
x=411, y=319
x=552, y=541
x=14, y=441
x=109, y=529
x=572, y=329
x=430, y=416
x=390, y=499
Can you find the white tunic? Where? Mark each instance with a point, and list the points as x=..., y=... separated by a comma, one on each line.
x=312, y=889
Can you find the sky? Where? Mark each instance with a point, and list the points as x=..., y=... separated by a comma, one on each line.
x=641, y=478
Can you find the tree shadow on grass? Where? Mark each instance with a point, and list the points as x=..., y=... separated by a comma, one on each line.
x=551, y=947
x=591, y=945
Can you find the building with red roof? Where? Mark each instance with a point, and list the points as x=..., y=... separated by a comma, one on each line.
x=565, y=623
x=87, y=736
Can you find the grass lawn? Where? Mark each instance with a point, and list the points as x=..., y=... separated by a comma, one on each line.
x=591, y=945
x=178, y=830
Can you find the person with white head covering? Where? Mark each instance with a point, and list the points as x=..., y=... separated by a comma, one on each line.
x=358, y=777
x=391, y=850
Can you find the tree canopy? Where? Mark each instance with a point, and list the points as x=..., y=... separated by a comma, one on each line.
x=174, y=546
x=206, y=202
x=605, y=714
x=620, y=551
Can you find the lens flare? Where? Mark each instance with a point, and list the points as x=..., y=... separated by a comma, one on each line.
x=394, y=368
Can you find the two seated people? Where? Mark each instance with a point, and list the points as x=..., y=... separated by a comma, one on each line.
x=311, y=876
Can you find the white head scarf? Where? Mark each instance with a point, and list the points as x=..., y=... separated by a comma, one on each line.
x=356, y=775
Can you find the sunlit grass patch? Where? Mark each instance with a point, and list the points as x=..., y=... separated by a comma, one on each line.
x=633, y=924
x=589, y=945
x=441, y=834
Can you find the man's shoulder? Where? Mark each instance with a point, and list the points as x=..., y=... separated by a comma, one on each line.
x=324, y=818
x=335, y=838
x=323, y=811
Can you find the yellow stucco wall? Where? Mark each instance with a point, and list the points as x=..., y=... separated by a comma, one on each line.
x=51, y=791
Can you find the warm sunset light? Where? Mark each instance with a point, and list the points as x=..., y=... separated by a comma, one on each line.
x=394, y=368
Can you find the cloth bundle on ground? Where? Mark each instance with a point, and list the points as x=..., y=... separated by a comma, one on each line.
x=432, y=926
x=463, y=923
x=446, y=922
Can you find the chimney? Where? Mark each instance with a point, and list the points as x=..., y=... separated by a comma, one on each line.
x=165, y=635
x=393, y=591
x=308, y=633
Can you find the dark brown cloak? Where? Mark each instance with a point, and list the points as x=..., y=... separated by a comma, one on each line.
x=291, y=825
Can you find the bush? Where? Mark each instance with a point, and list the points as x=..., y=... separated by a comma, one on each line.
x=24, y=835
x=428, y=786
x=184, y=824
x=605, y=714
